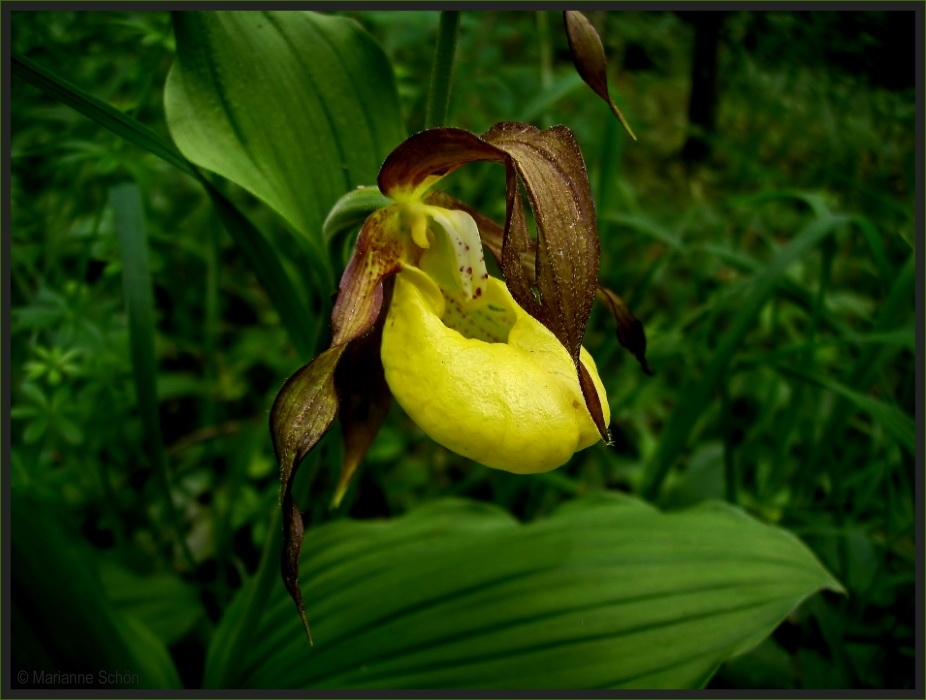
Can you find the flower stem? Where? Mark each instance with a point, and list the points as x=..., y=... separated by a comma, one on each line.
x=442, y=70
x=546, y=59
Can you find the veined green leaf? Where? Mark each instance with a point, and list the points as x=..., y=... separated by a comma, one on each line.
x=607, y=593
x=296, y=107
x=167, y=605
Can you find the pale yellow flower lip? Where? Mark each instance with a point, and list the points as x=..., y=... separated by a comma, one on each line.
x=515, y=406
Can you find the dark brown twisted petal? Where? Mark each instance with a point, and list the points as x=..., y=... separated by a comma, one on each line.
x=630, y=332
x=432, y=153
x=364, y=396
x=307, y=404
x=301, y=415
x=590, y=61
x=516, y=247
x=552, y=169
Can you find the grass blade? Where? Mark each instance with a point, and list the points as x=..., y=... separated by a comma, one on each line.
x=257, y=251
x=102, y=113
x=136, y=278
x=897, y=423
x=698, y=392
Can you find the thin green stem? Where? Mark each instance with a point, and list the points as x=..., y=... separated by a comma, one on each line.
x=442, y=70
x=612, y=152
x=546, y=58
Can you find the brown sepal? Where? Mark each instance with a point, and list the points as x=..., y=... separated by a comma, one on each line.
x=550, y=165
x=593, y=401
x=590, y=61
x=301, y=415
x=630, y=332
x=307, y=405
x=378, y=254
x=364, y=396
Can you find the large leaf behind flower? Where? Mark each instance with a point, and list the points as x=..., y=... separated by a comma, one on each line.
x=606, y=593
x=296, y=107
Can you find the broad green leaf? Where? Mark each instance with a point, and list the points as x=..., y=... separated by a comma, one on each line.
x=296, y=107
x=267, y=267
x=607, y=593
x=62, y=622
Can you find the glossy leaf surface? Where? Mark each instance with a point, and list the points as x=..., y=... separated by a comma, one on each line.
x=296, y=107
x=607, y=593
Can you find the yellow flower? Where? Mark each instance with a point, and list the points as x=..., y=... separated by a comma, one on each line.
x=472, y=368
x=493, y=371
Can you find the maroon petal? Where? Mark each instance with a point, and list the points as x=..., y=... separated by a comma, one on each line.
x=630, y=332
x=301, y=415
x=552, y=170
x=364, y=396
x=432, y=153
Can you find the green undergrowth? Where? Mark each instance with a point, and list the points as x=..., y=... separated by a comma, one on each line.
x=775, y=281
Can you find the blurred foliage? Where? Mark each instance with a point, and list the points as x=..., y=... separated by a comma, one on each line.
x=816, y=118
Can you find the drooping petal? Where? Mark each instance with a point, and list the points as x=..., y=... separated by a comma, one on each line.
x=301, y=415
x=363, y=395
x=512, y=404
x=306, y=406
x=590, y=61
x=550, y=165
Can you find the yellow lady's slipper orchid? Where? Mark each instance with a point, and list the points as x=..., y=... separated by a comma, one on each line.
x=493, y=371
x=473, y=369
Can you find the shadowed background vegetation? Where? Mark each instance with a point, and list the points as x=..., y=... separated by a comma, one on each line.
x=762, y=228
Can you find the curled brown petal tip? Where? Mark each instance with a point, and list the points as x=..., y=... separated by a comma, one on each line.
x=302, y=413
x=308, y=403
x=630, y=331
x=590, y=61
